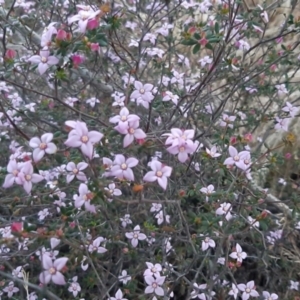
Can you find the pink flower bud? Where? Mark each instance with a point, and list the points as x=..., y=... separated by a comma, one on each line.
x=16, y=226
x=203, y=42
x=10, y=54
x=61, y=35
x=95, y=47
x=92, y=24
x=273, y=68
x=77, y=60
x=279, y=40
x=288, y=155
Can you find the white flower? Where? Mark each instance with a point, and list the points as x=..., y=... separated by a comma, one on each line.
x=92, y=101
x=213, y=152
x=248, y=290
x=234, y=291
x=135, y=236
x=208, y=243
x=239, y=255
x=294, y=285
x=95, y=246
x=153, y=270
x=124, y=277
x=154, y=285
x=225, y=209
x=74, y=287
x=126, y=220
x=269, y=296
x=119, y=296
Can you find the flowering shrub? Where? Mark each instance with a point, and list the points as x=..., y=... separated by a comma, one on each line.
x=149, y=150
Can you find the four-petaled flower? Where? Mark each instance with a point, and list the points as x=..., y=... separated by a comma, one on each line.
x=52, y=270
x=154, y=285
x=122, y=167
x=118, y=296
x=143, y=93
x=135, y=236
x=238, y=254
x=42, y=145
x=44, y=60
x=81, y=137
x=159, y=172
x=248, y=290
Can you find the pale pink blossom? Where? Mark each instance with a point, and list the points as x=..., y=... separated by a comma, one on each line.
x=281, y=89
x=292, y=110
x=76, y=170
x=282, y=124
x=234, y=291
x=248, y=290
x=237, y=158
x=112, y=190
x=143, y=93
x=42, y=145
x=13, y=168
x=238, y=254
x=161, y=218
x=213, y=152
x=131, y=131
x=208, y=190
x=208, y=243
x=225, y=209
x=26, y=177
x=74, y=287
x=122, y=167
x=135, y=236
x=124, y=117
x=84, y=15
x=153, y=270
x=269, y=296
x=170, y=96
x=124, y=277
x=84, y=198
x=95, y=245
x=154, y=285
x=81, y=137
x=159, y=172
x=227, y=121
x=44, y=61
x=118, y=296
x=10, y=289
x=52, y=270
x=92, y=101
x=47, y=34
x=125, y=220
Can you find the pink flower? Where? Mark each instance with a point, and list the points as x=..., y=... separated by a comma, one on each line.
x=292, y=110
x=26, y=177
x=153, y=270
x=122, y=168
x=170, y=96
x=281, y=89
x=237, y=158
x=124, y=117
x=248, y=290
x=85, y=14
x=52, y=269
x=213, y=152
x=13, y=168
x=84, y=198
x=95, y=246
x=183, y=150
x=81, y=137
x=208, y=242
x=76, y=171
x=119, y=296
x=154, y=285
x=42, y=145
x=225, y=209
x=10, y=289
x=282, y=124
x=44, y=60
x=179, y=136
x=159, y=172
x=238, y=254
x=143, y=93
x=61, y=35
x=131, y=131
x=135, y=236
x=47, y=34
x=226, y=121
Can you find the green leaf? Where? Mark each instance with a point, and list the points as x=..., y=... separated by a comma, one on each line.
x=189, y=42
x=196, y=49
x=217, y=28
x=209, y=46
